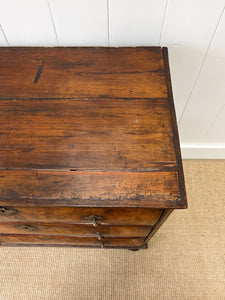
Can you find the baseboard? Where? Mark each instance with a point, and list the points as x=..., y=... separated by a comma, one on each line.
x=202, y=152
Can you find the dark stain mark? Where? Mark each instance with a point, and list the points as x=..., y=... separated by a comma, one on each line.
x=26, y=227
x=44, y=238
x=11, y=194
x=7, y=211
x=40, y=69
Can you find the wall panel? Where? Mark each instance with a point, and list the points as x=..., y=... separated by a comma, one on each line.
x=188, y=29
x=136, y=22
x=208, y=96
x=81, y=23
x=27, y=23
x=3, y=41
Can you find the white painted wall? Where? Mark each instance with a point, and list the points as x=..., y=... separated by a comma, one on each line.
x=193, y=30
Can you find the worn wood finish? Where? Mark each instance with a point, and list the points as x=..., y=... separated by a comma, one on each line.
x=80, y=72
x=80, y=215
x=174, y=127
x=164, y=215
x=89, y=148
x=75, y=230
x=95, y=134
x=73, y=241
x=80, y=59
x=86, y=188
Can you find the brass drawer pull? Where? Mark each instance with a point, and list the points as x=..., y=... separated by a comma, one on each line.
x=94, y=220
x=26, y=227
x=99, y=235
x=95, y=223
x=103, y=243
x=4, y=211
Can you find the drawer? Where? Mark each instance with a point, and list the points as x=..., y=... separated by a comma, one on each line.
x=29, y=240
x=81, y=215
x=74, y=230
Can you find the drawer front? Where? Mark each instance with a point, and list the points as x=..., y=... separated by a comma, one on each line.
x=17, y=240
x=74, y=230
x=81, y=215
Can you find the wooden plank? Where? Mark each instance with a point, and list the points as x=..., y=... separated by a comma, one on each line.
x=27, y=23
x=77, y=73
x=81, y=23
x=80, y=215
x=136, y=22
x=84, y=188
x=75, y=230
x=82, y=59
x=15, y=239
x=86, y=134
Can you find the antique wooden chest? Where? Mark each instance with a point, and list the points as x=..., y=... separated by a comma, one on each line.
x=89, y=148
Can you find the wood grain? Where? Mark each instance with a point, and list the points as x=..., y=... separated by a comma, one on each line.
x=176, y=140
x=82, y=72
x=164, y=215
x=73, y=241
x=74, y=230
x=85, y=188
x=83, y=59
x=81, y=215
x=89, y=146
x=95, y=134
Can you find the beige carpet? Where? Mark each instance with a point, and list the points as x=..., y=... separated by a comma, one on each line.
x=185, y=259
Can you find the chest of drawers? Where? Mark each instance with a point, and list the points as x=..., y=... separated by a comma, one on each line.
x=89, y=148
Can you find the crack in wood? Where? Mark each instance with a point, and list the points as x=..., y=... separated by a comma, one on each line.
x=40, y=69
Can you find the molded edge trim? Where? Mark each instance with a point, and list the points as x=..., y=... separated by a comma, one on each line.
x=203, y=152
x=175, y=130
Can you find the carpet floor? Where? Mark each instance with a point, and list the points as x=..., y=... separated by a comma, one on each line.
x=185, y=259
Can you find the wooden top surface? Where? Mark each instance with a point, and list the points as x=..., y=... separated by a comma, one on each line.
x=88, y=127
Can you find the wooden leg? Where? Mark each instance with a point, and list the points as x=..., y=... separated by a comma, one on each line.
x=145, y=246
